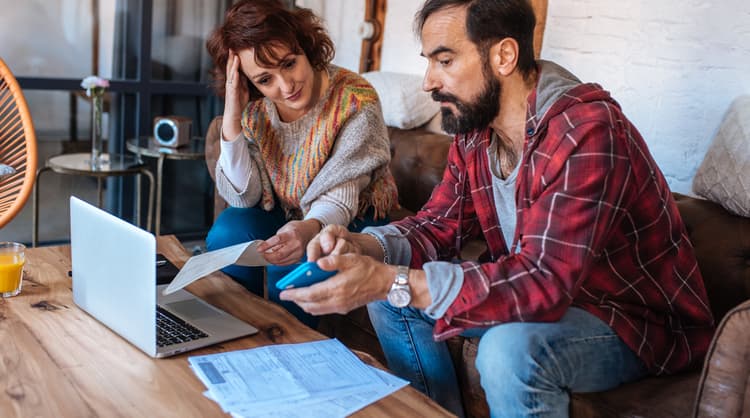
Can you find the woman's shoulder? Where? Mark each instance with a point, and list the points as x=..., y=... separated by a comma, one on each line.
x=346, y=83
x=256, y=106
x=341, y=74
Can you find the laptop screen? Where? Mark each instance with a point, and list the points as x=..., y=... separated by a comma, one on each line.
x=114, y=273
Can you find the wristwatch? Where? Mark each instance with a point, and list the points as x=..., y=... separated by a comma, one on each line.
x=400, y=294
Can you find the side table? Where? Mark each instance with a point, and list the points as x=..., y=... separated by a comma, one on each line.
x=147, y=146
x=78, y=164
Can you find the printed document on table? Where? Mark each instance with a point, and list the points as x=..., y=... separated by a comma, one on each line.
x=340, y=406
x=245, y=254
x=290, y=377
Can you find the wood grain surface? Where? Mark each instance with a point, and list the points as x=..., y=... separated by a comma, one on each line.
x=57, y=361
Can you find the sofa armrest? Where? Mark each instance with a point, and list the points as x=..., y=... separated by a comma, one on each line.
x=213, y=136
x=723, y=389
x=213, y=148
x=722, y=247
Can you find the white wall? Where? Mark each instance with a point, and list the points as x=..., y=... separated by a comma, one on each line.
x=341, y=18
x=400, y=46
x=674, y=65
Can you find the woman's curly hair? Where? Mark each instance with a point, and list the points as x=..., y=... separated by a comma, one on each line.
x=263, y=25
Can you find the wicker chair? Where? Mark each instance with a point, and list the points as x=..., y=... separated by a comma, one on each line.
x=17, y=146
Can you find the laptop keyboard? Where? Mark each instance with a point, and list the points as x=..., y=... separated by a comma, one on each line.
x=173, y=330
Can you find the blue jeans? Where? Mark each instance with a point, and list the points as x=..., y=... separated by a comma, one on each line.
x=238, y=225
x=526, y=369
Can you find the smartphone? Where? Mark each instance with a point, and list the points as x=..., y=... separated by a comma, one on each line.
x=306, y=274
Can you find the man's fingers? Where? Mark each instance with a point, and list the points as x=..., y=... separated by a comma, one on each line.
x=342, y=247
x=314, y=300
x=327, y=241
x=339, y=262
x=309, y=298
x=314, y=250
x=333, y=239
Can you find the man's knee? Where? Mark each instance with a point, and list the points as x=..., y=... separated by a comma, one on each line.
x=508, y=347
x=386, y=318
x=378, y=311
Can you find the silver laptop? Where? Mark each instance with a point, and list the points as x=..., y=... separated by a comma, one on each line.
x=114, y=280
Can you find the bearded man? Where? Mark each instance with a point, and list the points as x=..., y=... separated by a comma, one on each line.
x=589, y=279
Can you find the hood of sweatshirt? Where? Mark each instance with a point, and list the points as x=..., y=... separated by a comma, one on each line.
x=557, y=90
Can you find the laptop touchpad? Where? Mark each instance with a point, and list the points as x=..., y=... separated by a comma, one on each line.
x=191, y=309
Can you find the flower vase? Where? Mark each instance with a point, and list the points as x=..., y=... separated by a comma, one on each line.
x=96, y=130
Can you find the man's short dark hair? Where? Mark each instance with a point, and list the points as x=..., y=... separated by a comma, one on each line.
x=490, y=21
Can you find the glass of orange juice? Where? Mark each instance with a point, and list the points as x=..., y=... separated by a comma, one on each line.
x=12, y=258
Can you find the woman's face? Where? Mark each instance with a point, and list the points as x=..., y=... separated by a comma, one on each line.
x=290, y=84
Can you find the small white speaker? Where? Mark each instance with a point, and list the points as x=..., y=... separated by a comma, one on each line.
x=172, y=131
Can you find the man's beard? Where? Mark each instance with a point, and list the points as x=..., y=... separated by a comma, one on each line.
x=476, y=115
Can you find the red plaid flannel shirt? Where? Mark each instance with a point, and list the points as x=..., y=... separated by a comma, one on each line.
x=597, y=227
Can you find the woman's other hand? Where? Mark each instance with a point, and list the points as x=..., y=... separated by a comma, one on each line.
x=235, y=99
x=288, y=245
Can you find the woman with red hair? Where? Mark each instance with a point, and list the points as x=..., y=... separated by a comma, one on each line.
x=303, y=142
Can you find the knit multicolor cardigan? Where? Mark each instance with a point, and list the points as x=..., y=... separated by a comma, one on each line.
x=287, y=176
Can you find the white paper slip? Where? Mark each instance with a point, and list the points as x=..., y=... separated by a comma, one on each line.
x=245, y=254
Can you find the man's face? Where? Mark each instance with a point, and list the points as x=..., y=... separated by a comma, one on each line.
x=468, y=93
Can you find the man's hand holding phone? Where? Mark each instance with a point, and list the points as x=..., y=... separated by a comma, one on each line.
x=306, y=274
x=359, y=278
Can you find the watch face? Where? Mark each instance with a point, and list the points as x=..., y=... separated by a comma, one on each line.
x=399, y=297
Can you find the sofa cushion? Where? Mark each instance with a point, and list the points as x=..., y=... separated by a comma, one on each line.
x=405, y=105
x=663, y=397
x=723, y=175
x=418, y=159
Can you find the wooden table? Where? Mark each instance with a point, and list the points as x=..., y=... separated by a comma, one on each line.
x=57, y=361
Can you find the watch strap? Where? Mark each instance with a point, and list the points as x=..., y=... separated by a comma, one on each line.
x=399, y=295
x=402, y=276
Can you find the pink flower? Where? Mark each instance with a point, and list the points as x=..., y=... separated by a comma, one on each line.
x=94, y=85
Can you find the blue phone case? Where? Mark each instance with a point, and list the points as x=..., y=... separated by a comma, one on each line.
x=305, y=274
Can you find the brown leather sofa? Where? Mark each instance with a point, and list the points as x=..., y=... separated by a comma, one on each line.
x=722, y=243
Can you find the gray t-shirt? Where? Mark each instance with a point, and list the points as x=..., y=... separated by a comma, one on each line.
x=444, y=279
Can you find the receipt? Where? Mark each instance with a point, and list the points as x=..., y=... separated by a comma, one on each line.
x=201, y=265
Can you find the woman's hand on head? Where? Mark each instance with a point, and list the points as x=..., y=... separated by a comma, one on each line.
x=288, y=245
x=235, y=98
